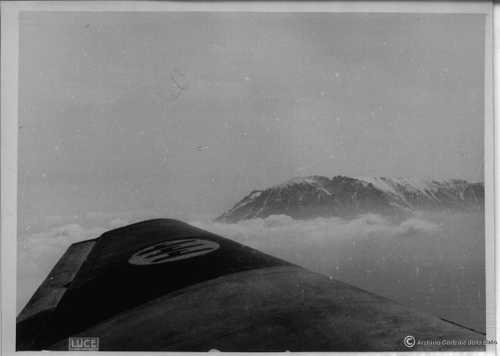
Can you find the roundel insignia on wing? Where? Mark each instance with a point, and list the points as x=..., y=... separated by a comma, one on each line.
x=173, y=250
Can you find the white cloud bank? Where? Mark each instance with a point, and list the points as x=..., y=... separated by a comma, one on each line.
x=278, y=229
x=430, y=261
x=38, y=252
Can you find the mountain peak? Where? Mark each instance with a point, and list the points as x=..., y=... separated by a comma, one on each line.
x=299, y=180
x=319, y=196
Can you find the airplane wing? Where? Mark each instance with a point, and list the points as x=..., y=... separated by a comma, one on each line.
x=163, y=285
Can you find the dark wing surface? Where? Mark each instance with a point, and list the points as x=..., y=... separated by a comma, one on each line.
x=163, y=285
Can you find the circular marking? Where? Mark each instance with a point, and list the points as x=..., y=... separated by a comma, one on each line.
x=170, y=251
x=409, y=341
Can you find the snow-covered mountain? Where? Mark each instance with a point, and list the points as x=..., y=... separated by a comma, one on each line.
x=318, y=196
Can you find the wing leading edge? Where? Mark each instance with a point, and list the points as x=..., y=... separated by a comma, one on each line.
x=163, y=285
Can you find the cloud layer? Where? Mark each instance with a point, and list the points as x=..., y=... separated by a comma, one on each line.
x=281, y=229
x=433, y=262
x=38, y=252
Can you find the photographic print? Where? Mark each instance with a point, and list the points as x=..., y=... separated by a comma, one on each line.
x=244, y=181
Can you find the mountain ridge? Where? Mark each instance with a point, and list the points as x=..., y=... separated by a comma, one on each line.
x=320, y=196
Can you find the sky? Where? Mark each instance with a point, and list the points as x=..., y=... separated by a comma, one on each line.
x=182, y=114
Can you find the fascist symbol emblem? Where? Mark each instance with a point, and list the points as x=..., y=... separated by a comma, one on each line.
x=170, y=251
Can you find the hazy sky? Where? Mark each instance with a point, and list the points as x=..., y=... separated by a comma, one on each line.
x=184, y=113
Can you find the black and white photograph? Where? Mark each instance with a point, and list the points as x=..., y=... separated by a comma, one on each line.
x=252, y=179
